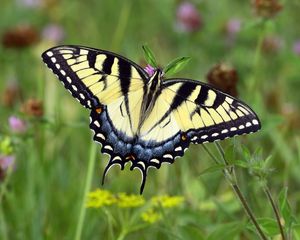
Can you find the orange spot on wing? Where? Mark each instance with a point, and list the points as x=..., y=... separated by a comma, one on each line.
x=99, y=110
x=183, y=137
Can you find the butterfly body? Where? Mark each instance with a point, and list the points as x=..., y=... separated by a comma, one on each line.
x=141, y=119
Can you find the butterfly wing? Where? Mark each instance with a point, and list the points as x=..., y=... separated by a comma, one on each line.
x=189, y=111
x=114, y=88
x=206, y=114
x=111, y=86
x=94, y=76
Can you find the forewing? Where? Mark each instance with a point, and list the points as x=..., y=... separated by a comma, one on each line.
x=94, y=76
x=207, y=114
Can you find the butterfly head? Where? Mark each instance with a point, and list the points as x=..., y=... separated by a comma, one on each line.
x=155, y=80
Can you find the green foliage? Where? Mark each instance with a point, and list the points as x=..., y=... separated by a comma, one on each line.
x=285, y=209
x=176, y=65
x=149, y=56
x=212, y=169
x=268, y=225
x=226, y=231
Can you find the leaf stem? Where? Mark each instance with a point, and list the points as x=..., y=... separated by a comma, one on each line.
x=275, y=209
x=222, y=153
x=88, y=183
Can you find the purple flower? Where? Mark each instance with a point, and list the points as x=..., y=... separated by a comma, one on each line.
x=188, y=17
x=149, y=70
x=296, y=47
x=6, y=162
x=30, y=3
x=17, y=125
x=233, y=26
x=53, y=33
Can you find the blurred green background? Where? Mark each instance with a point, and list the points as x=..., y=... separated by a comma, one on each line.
x=248, y=48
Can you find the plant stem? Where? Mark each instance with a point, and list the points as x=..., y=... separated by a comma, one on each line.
x=110, y=221
x=122, y=234
x=231, y=177
x=275, y=209
x=210, y=154
x=248, y=210
x=88, y=182
x=3, y=185
x=3, y=228
x=257, y=54
x=222, y=153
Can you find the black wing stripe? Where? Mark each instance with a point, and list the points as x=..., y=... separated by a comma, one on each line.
x=125, y=75
x=91, y=57
x=183, y=93
x=107, y=64
x=202, y=96
x=220, y=98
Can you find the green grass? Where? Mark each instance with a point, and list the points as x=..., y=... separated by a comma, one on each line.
x=41, y=197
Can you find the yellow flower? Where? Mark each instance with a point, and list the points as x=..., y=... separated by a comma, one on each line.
x=99, y=198
x=151, y=216
x=128, y=201
x=167, y=201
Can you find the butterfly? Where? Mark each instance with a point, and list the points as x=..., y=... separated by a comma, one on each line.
x=142, y=119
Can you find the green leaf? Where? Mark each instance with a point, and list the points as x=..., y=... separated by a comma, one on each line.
x=268, y=225
x=230, y=154
x=285, y=208
x=246, y=152
x=176, y=65
x=241, y=163
x=149, y=56
x=227, y=231
x=214, y=168
x=296, y=232
x=191, y=232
